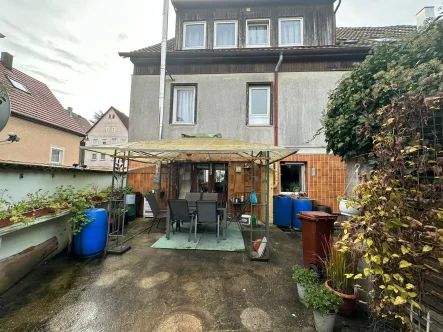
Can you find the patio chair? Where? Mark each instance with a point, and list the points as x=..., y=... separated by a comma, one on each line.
x=210, y=197
x=155, y=208
x=179, y=213
x=207, y=213
x=192, y=198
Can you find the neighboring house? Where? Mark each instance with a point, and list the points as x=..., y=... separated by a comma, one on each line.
x=111, y=128
x=224, y=77
x=84, y=124
x=48, y=135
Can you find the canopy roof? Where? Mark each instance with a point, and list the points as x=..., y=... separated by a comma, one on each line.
x=196, y=149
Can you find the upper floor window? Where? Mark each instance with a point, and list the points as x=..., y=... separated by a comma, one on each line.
x=259, y=105
x=257, y=33
x=104, y=142
x=194, y=35
x=184, y=101
x=107, y=129
x=95, y=141
x=291, y=31
x=57, y=155
x=113, y=141
x=225, y=34
x=112, y=116
x=113, y=129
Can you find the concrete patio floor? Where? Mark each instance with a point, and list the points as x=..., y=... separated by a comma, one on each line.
x=164, y=290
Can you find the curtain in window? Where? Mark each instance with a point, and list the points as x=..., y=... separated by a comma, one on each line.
x=290, y=32
x=225, y=34
x=56, y=156
x=258, y=34
x=185, y=106
x=195, y=35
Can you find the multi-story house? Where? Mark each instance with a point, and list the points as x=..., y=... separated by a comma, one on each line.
x=48, y=134
x=111, y=128
x=257, y=71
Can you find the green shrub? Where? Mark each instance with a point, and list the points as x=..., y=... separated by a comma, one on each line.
x=321, y=299
x=303, y=277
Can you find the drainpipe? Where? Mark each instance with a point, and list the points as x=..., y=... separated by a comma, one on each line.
x=277, y=68
x=335, y=21
x=164, y=50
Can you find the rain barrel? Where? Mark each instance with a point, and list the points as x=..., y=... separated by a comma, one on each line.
x=299, y=206
x=282, y=210
x=91, y=241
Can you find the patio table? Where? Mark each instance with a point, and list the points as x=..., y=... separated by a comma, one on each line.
x=221, y=210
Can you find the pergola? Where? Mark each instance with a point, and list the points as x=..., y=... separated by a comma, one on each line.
x=197, y=149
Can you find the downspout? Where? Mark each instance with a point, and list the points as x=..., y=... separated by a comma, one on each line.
x=335, y=21
x=277, y=68
x=164, y=50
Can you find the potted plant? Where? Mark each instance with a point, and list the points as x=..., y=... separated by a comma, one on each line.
x=325, y=305
x=303, y=278
x=348, y=206
x=341, y=273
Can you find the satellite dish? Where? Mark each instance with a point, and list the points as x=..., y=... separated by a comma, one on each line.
x=5, y=110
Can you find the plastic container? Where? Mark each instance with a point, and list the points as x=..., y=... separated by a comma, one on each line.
x=91, y=241
x=282, y=210
x=130, y=199
x=298, y=206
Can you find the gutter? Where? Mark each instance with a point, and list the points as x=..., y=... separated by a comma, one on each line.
x=275, y=118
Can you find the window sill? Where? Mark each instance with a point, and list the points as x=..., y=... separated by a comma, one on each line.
x=263, y=126
x=290, y=45
x=182, y=124
x=225, y=47
x=194, y=48
x=258, y=46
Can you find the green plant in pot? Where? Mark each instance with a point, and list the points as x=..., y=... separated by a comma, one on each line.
x=303, y=278
x=325, y=305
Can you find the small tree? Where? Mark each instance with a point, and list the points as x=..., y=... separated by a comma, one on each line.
x=96, y=116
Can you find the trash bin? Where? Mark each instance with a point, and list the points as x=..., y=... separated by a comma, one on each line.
x=131, y=207
x=317, y=228
x=138, y=204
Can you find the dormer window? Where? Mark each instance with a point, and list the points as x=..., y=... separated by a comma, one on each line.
x=225, y=34
x=194, y=35
x=291, y=32
x=257, y=33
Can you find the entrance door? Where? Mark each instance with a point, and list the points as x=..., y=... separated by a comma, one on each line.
x=212, y=178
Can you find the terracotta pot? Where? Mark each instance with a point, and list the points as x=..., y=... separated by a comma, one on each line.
x=38, y=213
x=349, y=301
x=5, y=223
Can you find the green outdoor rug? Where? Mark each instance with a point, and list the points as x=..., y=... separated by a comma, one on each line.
x=206, y=240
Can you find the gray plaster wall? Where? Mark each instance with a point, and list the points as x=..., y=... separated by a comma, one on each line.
x=222, y=107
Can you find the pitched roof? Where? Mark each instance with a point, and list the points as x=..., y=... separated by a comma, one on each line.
x=38, y=104
x=371, y=33
x=122, y=116
x=84, y=124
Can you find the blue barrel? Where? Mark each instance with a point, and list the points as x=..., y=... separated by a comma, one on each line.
x=298, y=206
x=282, y=210
x=91, y=241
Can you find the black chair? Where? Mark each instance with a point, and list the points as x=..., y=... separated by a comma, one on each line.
x=179, y=213
x=207, y=213
x=155, y=208
x=210, y=197
x=192, y=198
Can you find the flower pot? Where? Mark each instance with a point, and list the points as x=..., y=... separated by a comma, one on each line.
x=348, y=211
x=301, y=294
x=38, y=213
x=5, y=223
x=324, y=322
x=349, y=301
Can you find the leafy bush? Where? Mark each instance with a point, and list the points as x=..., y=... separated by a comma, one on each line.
x=303, y=277
x=321, y=299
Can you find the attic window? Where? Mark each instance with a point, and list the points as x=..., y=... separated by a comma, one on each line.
x=291, y=32
x=194, y=35
x=257, y=33
x=18, y=85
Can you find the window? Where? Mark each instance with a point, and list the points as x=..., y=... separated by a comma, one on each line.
x=259, y=105
x=102, y=156
x=104, y=142
x=56, y=155
x=113, y=141
x=194, y=35
x=111, y=116
x=225, y=34
x=94, y=156
x=113, y=129
x=184, y=101
x=107, y=129
x=291, y=32
x=292, y=177
x=18, y=85
x=123, y=140
x=257, y=33
x=94, y=141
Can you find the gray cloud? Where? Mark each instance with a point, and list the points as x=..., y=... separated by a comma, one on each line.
x=47, y=76
x=62, y=92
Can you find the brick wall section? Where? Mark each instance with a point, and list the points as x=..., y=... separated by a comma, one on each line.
x=330, y=179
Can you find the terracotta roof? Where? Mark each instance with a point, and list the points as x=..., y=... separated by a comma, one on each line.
x=122, y=116
x=368, y=33
x=84, y=124
x=39, y=105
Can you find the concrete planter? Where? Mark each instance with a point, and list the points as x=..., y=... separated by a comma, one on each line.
x=301, y=294
x=324, y=322
x=348, y=211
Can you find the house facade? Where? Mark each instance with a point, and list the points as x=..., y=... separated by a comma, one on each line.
x=111, y=128
x=48, y=134
x=256, y=71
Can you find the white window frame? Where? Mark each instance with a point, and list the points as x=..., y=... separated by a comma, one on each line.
x=94, y=156
x=247, y=32
x=53, y=147
x=95, y=142
x=285, y=19
x=303, y=177
x=185, y=25
x=113, y=140
x=107, y=129
x=236, y=33
x=104, y=141
x=102, y=157
x=262, y=116
x=113, y=129
x=174, y=108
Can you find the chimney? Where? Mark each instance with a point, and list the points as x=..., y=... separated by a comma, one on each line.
x=424, y=16
x=69, y=111
x=7, y=60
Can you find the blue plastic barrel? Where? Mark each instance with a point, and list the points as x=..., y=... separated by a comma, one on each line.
x=282, y=210
x=91, y=241
x=298, y=206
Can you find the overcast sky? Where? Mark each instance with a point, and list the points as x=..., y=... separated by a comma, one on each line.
x=72, y=45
